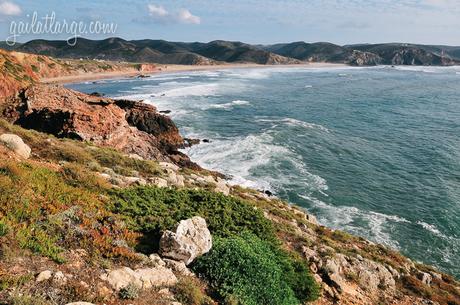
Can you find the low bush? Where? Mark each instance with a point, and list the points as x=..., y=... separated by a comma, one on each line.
x=189, y=291
x=246, y=270
x=151, y=210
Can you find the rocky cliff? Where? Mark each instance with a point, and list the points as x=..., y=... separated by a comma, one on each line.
x=129, y=126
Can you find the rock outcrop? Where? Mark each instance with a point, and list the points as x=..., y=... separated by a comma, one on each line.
x=144, y=278
x=129, y=126
x=190, y=239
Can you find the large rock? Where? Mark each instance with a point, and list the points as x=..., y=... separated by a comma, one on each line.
x=129, y=126
x=16, y=144
x=190, y=239
x=145, y=278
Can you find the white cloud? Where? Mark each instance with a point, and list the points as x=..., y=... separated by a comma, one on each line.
x=9, y=8
x=185, y=16
x=159, y=14
x=157, y=11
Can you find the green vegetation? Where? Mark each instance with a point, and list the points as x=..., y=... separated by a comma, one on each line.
x=45, y=214
x=249, y=271
x=151, y=210
x=129, y=292
x=189, y=291
x=3, y=228
x=35, y=68
x=92, y=158
x=260, y=271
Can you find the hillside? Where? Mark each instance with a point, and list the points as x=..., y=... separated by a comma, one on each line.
x=154, y=51
x=219, y=51
x=19, y=70
x=98, y=206
x=411, y=54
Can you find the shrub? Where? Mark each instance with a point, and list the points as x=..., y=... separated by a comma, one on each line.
x=246, y=270
x=129, y=292
x=188, y=292
x=3, y=228
x=151, y=210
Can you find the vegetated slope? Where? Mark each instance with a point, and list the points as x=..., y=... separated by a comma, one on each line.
x=229, y=51
x=155, y=51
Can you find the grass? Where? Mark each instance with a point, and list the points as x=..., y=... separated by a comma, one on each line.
x=190, y=291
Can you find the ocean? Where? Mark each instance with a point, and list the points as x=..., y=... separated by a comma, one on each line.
x=372, y=151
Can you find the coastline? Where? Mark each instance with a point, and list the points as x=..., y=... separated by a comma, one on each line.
x=174, y=69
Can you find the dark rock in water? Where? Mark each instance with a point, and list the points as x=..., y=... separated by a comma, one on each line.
x=163, y=94
x=143, y=76
x=206, y=141
x=268, y=193
x=189, y=142
x=97, y=94
x=165, y=111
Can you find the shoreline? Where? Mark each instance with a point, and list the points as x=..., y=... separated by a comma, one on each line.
x=162, y=69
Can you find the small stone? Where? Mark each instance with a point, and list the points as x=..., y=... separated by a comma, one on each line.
x=121, y=278
x=160, y=182
x=44, y=276
x=156, y=260
x=178, y=267
x=59, y=278
x=426, y=278
x=166, y=165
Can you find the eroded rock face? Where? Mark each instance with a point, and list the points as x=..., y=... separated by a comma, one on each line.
x=131, y=127
x=189, y=240
x=16, y=144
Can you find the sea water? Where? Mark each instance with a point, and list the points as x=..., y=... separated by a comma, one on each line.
x=372, y=151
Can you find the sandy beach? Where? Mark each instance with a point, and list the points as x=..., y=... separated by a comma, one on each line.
x=172, y=69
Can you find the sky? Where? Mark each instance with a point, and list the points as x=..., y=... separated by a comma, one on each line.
x=251, y=21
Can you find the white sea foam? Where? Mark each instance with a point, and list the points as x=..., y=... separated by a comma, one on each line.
x=308, y=86
x=238, y=157
x=227, y=106
x=295, y=123
x=377, y=228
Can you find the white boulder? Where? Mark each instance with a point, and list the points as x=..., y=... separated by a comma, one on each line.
x=16, y=144
x=190, y=239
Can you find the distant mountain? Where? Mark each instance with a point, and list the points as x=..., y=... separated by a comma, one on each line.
x=5, y=46
x=370, y=54
x=220, y=51
x=156, y=51
x=324, y=52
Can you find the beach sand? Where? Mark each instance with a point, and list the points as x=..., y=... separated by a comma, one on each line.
x=173, y=69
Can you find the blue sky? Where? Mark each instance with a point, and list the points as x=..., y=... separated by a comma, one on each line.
x=253, y=21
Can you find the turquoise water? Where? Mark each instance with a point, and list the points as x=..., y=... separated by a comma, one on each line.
x=373, y=151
